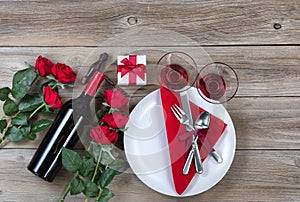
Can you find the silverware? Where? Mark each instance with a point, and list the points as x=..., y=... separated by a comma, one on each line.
x=202, y=122
x=198, y=163
x=183, y=118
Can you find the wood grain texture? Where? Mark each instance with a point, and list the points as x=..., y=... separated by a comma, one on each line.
x=259, y=39
x=254, y=176
x=263, y=118
x=86, y=23
x=260, y=123
x=262, y=70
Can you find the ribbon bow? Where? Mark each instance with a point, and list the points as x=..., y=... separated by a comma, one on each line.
x=130, y=66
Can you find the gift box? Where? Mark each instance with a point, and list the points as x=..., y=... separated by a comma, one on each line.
x=132, y=70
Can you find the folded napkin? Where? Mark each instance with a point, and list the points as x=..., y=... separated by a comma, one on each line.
x=179, y=149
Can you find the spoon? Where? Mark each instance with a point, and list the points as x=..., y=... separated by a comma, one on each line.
x=202, y=122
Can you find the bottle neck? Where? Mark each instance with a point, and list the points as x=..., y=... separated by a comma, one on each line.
x=93, y=85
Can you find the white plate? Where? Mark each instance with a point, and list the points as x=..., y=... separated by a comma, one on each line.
x=146, y=147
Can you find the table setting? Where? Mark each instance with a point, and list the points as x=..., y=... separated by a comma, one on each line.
x=176, y=137
x=161, y=144
x=150, y=136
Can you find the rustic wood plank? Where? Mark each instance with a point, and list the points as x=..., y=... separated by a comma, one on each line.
x=260, y=123
x=262, y=70
x=89, y=23
x=266, y=123
x=254, y=176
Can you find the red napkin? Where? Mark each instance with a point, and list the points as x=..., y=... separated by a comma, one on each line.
x=179, y=149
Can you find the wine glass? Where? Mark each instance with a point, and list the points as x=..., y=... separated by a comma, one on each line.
x=217, y=83
x=177, y=71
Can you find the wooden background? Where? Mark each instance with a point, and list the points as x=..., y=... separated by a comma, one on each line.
x=259, y=38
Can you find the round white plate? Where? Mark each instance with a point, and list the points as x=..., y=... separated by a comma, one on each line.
x=146, y=146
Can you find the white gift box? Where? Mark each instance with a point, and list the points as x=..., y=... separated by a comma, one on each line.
x=133, y=72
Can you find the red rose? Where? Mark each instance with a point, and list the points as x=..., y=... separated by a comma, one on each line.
x=115, y=119
x=43, y=65
x=63, y=73
x=103, y=135
x=52, y=98
x=116, y=99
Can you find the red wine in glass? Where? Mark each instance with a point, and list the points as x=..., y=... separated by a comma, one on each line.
x=174, y=77
x=212, y=86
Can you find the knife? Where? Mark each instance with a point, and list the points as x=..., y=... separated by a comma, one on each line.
x=195, y=150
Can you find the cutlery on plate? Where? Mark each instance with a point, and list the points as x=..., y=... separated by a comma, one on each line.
x=183, y=118
x=202, y=122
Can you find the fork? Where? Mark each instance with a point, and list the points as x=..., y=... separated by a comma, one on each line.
x=183, y=118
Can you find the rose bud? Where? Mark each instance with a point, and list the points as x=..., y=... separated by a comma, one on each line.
x=115, y=120
x=103, y=135
x=43, y=66
x=63, y=73
x=116, y=99
x=52, y=98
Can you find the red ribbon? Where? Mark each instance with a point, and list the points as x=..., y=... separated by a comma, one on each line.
x=130, y=66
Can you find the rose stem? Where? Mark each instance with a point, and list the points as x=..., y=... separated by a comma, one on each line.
x=97, y=166
x=63, y=196
x=4, y=141
x=2, y=117
x=33, y=113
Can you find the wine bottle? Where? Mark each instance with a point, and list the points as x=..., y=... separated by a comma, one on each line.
x=71, y=118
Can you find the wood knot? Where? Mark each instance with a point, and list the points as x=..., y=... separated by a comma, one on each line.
x=132, y=20
x=277, y=25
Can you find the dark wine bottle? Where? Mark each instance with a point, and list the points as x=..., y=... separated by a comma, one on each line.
x=71, y=118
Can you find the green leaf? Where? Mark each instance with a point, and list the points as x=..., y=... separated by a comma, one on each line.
x=3, y=125
x=25, y=130
x=102, y=112
x=46, y=111
x=106, y=195
x=30, y=136
x=106, y=158
x=119, y=165
x=20, y=119
x=76, y=186
x=14, y=134
x=87, y=167
x=30, y=103
x=91, y=189
x=107, y=176
x=21, y=82
x=88, y=155
x=10, y=108
x=106, y=148
x=71, y=160
x=41, y=125
x=4, y=92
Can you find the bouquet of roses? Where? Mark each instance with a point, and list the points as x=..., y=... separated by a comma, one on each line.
x=20, y=107
x=93, y=175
